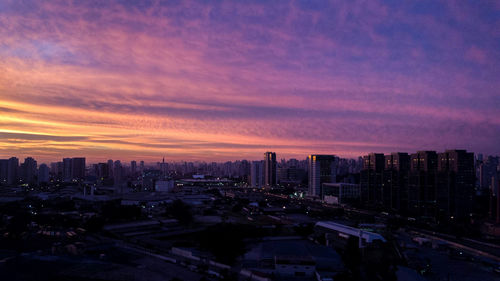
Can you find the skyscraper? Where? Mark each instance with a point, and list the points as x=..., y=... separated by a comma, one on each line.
x=163, y=168
x=270, y=166
x=56, y=168
x=321, y=170
x=395, y=181
x=78, y=168
x=455, y=188
x=28, y=170
x=4, y=166
x=102, y=171
x=422, y=190
x=110, y=167
x=117, y=173
x=257, y=173
x=67, y=169
x=43, y=173
x=12, y=170
x=133, y=167
x=371, y=178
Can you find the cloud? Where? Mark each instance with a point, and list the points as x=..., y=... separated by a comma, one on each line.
x=229, y=79
x=476, y=55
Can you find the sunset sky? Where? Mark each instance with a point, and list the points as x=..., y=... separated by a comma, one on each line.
x=226, y=80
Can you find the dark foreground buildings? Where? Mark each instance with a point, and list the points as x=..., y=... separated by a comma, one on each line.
x=439, y=186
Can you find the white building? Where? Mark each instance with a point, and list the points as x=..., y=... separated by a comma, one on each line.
x=322, y=169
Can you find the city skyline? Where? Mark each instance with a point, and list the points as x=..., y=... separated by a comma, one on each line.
x=279, y=159
x=227, y=81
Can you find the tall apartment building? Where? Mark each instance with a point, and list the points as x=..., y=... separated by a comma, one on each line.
x=29, y=171
x=321, y=170
x=395, y=181
x=257, y=174
x=78, y=168
x=422, y=189
x=13, y=170
x=270, y=167
x=455, y=186
x=371, y=178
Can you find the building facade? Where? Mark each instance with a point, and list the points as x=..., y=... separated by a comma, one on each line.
x=321, y=170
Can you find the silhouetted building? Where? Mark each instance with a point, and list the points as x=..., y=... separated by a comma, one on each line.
x=56, y=169
x=78, y=168
x=12, y=171
x=4, y=167
x=133, y=167
x=341, y=193
x=257, y=173
x=487, y=171
x=371, y=179
x=321, y=170
x=110, y=167
x=287, y=175
x=395, y=181
x=67, y=169
x=164, y=168
x=149, y=178
x=118, y=173
x=43, y=174
x=422, y=191
x=102, y=171
x=28, y=170
x=270, y=166
x=455, y=188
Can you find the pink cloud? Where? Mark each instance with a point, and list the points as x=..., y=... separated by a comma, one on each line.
x=239, y=87
x=476, y=55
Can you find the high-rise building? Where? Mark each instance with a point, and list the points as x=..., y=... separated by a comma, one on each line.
x=321, y=170
x=163, y=166
x=57, y=168
x=422, y=189
x=117, y=173
x=455, y=188
x=487, y=171
x=110, y=167
x=67, y=169
x=78, y=168
x=43, y=173
x=133, y=167
x=270, y=166
x=371, y=179
x=290, y=175
x=257, y=173
x=395, y=181
x=12, y=171
x=244, y=170
x=102, y=171
x=4, y=167
x=28, y=170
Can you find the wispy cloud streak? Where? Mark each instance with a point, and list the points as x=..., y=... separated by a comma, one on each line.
x=226, y=80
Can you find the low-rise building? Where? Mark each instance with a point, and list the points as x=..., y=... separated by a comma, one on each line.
x=341, y=193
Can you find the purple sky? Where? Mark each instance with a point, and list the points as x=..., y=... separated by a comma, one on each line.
x=222, y=80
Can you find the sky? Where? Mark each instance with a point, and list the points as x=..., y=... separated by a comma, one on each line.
x=226, y=80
